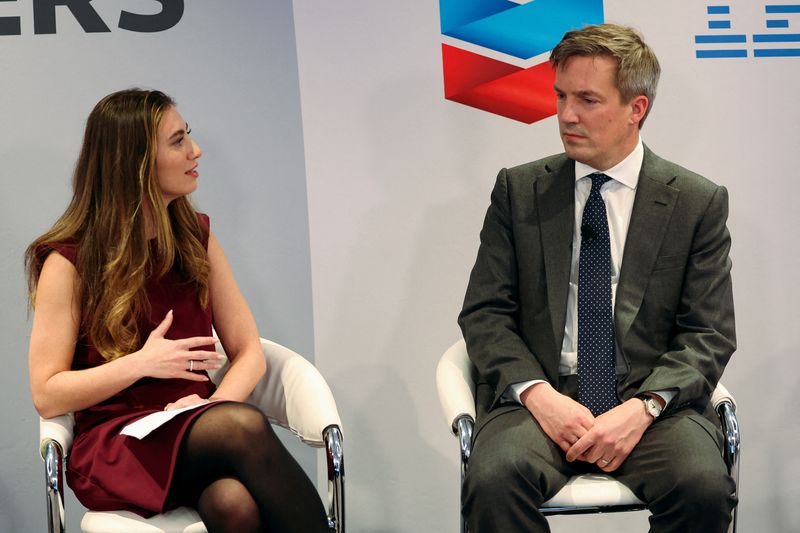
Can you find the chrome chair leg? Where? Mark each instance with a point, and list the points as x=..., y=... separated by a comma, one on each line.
x=463, y=427
x=53, y=457
x=732, y=446
x=335, y=458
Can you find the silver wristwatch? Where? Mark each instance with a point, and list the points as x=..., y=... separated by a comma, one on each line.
x=651, y=405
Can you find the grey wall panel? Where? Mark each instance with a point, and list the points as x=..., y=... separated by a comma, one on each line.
x=232, y=68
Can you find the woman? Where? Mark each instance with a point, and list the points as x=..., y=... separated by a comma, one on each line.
x=126, y=287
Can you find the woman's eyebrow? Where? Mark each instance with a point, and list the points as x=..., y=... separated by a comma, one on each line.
x=180, y=132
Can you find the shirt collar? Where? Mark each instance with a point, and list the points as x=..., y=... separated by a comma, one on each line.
x=625, y=172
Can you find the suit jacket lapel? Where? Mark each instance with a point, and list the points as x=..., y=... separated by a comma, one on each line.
x=555, y=200
x=652, y=210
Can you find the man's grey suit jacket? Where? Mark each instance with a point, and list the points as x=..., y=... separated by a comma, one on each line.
x=674, y=320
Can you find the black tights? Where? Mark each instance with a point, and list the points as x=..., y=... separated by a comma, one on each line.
x=233, y=469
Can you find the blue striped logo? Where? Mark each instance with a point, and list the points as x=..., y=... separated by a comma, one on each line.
x=773, y=37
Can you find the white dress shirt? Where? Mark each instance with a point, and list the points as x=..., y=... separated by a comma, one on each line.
x=618, y=194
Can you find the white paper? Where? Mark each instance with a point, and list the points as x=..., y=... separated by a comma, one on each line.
x=142, y=427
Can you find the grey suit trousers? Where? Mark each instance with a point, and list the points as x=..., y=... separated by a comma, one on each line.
x=677, y=469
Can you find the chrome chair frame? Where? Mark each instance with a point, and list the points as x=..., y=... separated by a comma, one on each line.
x=334, y=455
x=56, y=440
x=53, y=455
x=455, y=373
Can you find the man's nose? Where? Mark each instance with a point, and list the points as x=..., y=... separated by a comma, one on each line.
x=566, y=112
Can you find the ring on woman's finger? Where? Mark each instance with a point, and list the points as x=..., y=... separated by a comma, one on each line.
x=191, y=365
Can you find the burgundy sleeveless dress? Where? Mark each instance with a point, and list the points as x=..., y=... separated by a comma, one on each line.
x=109, y=471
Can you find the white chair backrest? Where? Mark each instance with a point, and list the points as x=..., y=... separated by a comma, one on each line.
x=293, y=394
x=455, y=382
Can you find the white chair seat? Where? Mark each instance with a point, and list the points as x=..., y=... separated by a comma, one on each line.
x=593, y=490
x=180, y=520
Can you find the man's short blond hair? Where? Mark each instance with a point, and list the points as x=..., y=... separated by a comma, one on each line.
x=637, y=66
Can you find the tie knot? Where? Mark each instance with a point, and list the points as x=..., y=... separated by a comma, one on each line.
x=598, y=179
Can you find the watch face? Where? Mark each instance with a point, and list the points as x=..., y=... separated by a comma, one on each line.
x=653, y=407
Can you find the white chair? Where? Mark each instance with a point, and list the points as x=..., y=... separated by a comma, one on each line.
x=587, y=493
x=293, y=394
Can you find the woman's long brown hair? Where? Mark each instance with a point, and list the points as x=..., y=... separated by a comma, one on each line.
x=116, y=197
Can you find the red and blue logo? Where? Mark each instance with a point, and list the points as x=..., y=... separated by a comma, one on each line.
x=519, y=31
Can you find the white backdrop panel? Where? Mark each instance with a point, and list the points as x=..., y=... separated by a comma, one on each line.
x=398, y=184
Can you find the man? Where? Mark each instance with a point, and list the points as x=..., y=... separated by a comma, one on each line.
x=599, y=313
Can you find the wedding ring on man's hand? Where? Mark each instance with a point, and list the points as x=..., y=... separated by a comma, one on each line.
x=603, y=462
x=191, y=365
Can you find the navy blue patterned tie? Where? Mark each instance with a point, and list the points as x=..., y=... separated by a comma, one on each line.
x=596, y=358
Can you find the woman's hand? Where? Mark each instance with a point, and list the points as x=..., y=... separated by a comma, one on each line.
x=165, y=358
x=186, y=401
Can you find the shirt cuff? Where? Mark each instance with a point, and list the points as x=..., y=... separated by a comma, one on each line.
x=666, y=395
x=514, y=390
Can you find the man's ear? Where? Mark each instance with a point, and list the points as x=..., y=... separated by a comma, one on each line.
x=639, y=105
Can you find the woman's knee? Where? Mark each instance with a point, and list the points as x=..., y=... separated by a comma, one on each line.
x=227, y=505
x=237, y=422
x=248, y=419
